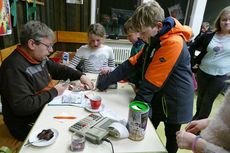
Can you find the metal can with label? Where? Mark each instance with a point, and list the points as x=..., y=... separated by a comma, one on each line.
x=137, y=120
x=65, y=58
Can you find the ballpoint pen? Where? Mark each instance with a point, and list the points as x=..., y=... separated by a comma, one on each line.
x=64, y=117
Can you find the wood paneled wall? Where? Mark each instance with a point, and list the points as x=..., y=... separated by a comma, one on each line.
x=58, y=15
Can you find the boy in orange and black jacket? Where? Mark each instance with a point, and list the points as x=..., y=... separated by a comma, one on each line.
x=167, y=84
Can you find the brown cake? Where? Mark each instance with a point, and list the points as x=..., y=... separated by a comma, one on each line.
x=46, y=134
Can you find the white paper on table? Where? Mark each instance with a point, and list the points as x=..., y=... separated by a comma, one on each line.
x=113, y=115
x=120, y=130
x=79, y=96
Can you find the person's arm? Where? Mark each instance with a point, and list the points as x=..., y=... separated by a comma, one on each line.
x=203, y=42
x=199, y=145
x=197, y=43
x=110, y=67
x=75, y=61
x=197, y=125
x=111, y=60
x=121, y=72
x=186, y=140
x=62, y=72
x=211, y=148
x=146, y=92
x=20, y=95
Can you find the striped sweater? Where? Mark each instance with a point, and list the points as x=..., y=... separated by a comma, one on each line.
x=93, y=59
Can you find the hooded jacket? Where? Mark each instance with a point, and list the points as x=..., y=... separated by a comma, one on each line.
x=167, y=84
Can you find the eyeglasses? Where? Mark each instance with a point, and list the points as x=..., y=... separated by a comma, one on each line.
x=48, y=46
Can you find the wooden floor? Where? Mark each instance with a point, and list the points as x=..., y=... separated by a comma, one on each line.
x=6, y=139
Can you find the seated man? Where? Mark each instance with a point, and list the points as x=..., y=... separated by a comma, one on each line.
x=25, y=78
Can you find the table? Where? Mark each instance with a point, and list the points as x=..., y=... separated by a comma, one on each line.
x=114, y=99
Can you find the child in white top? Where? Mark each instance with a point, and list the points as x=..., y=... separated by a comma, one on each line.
x=95, y=57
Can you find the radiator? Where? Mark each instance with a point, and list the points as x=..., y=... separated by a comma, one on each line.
x=121, y=54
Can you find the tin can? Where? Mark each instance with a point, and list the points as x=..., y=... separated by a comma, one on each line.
x=65, y=58
x=137, y=120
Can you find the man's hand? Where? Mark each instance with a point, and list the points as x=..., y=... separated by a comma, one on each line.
x=85, y=80
x=60, y=88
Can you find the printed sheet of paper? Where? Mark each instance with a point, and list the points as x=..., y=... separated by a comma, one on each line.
x=70, y=98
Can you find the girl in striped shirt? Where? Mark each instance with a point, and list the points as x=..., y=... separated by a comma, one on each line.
x=95, y=57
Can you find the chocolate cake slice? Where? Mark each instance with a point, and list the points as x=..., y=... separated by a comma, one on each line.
x=46, y=134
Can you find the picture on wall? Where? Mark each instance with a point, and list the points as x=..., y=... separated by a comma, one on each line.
x=176, y=12
x=5, y=21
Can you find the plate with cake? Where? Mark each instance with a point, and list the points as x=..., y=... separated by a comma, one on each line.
x=43, y=137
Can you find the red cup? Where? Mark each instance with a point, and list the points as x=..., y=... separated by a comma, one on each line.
x=95, y=102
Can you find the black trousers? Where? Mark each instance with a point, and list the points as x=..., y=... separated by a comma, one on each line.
x=170, y=133
x=20, y=133
x=209, y=87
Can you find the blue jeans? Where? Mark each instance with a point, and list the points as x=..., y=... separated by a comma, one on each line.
x=209, y=87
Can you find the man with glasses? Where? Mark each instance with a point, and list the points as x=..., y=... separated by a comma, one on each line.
x=48, y=46
x=26, y=78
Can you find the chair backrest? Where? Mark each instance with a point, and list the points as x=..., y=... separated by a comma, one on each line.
x=72, y=37
x=4, y=53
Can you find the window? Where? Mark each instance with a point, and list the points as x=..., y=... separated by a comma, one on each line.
x=113, y=15
x=174, y=8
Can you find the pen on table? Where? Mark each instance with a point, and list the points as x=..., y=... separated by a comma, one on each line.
x=64, y=117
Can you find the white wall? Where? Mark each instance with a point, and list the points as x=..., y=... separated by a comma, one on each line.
x=197, y=16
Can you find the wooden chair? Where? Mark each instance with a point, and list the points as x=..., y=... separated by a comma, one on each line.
x=4, y=53
x=72, y=37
